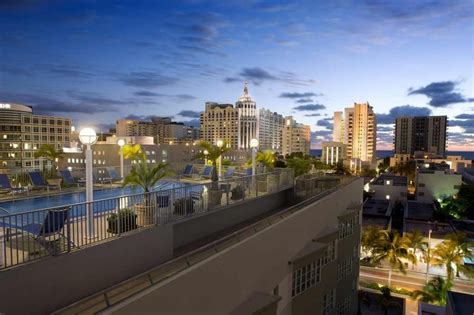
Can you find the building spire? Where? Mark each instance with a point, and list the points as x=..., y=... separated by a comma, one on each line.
x=246, y=90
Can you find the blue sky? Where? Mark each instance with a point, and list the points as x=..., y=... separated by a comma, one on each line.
x=97, y=61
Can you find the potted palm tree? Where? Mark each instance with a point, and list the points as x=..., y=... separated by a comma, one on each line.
x=49, y=152
x=266, y=159
x=145, y=176
x=212, y=153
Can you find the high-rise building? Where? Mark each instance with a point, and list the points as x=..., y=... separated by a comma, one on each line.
x=295, y=137
x=423, y=133
x=220, y=122
x=162, y=129
x=338, y=127
x=22, y=133
x=270, y=130
x=333, y=152
x=247, y=119
x=360, y=132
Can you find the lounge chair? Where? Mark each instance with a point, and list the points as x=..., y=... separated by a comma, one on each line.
x=248, y=172
x=100, y=178
x=38, y=181
x=6, y=187
x=113, y=175
x=229, y=173
x=52, y=225
x=188, y=170
x=207, y=172
x=68, y=179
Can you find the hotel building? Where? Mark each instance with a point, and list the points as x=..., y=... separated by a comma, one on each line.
x=424, y=134
x=358, y=131
x=220, y=122
x=22, y=133
x=247, y=119
x=270, y=130
x=333, y=152
x=295, y=137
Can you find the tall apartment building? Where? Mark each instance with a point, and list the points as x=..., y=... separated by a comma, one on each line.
x=270, y=130
x=22, y=133
x=247, y=119
x=162, y=129
x=423, y=133
x=220, y=122
x=295, y=137
x=358, y=131
x=338, y=127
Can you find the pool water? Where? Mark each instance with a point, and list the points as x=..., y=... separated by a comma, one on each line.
x=36, y=203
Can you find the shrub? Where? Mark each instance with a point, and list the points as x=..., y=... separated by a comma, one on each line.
x=126, y=220
x=183, y=206
x=237, y=193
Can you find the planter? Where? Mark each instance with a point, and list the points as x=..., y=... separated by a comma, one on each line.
x=237, y=193
x=273, y=182
x=214, y=197
x=183, y=206
x=146, y=214
x=125, y=221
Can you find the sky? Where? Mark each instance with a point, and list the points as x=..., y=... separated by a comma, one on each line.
x=99, y=61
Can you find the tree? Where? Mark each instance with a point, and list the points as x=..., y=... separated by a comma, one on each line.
x=142, y=174
x=416, y=243
x=49, y=152
x=341, y=169
x=300, y=165
x=460, y=206
x=392, y=248
x=368, y=172
x=434, y=291
x=451, y=253
x=213, y=152
x=370, y=238
x=386, y=301
x=266, y=159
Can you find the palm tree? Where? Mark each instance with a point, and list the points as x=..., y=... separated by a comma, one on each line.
x=213, y=152
x=142, y=174
x=393, y=248
x=49, y=152
x=370, y=238
x=267, y=159
x=451, y=253
x=299, y=165
x=416, y=242
x=434, y=291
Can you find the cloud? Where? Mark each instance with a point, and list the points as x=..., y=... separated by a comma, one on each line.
x=326, y=122
x=147, y=93
x=184, y=97
x=192, y=123
x=146, y=79
x=465, y=116
x=304, y=100
x=299, y=95
x=313, y=115
x=441, y=94
x=466, y=124
x=405, y=110
x=178, y=97
x=189, y=113
x=384, y=129
x=310, y=107
x=258, y=75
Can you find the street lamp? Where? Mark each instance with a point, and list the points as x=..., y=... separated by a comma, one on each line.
x=428, y=256
x=219, y=143
x=88, y=137
x=254, y=146
x=205, y=156
x=121, y=143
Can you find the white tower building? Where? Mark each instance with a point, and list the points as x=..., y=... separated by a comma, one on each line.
x=247, y=119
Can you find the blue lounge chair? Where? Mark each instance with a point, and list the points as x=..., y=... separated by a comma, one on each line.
x=68, y=179
x=207, y=171
x=101, y=178
x=6, y=187
x=229, y=173
x=52, y=225
x=188, y=170
x=113, y=175
x=38, y=181
x=248, y=172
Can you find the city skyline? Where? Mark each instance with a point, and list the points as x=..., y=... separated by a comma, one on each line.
x=97, y=63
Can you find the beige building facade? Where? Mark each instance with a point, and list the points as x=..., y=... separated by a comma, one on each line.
x=270, y=130
x=220, y=122
x=295, y=137
x=22, y=133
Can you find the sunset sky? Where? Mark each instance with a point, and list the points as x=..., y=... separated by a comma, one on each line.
x=97, y=61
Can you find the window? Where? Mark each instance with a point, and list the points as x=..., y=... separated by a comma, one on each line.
x=330, y=253
x=329, y=301
x=344, y=306
x=344, y=268
x=421, y=184
x=306, y=277
x=346, y=228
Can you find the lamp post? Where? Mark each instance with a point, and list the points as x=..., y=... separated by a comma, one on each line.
x=428, y=256
x=88, y=137
x=205, y=156
x=254, y=146
x=121, y=143
x=219, y=143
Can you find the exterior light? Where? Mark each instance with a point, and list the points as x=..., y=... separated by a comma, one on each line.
x=220, y=143
x=205, y=152
x=88, y=136
x=121, y=142
x=254, y=143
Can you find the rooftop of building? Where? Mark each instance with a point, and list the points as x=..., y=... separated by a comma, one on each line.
x=438, y=230
x=461, y=303
x=395, y=180
x=466, y=226
x=376, y=207
x=381, y=222
x=420, y=211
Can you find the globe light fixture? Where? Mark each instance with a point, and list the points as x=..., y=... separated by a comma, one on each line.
x=254, y=143
x=254, y=146
x=219, y=144
x=88, y=137
x=121, y=142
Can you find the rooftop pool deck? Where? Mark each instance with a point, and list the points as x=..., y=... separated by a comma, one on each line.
x=31, y=203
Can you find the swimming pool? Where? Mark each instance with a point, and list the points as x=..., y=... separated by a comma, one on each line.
x=35, y=203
